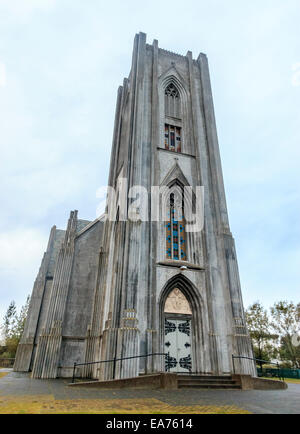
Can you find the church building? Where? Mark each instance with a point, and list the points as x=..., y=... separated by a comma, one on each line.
x=112, y=289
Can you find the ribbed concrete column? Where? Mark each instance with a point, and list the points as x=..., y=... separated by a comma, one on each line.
x=49, y=344
x=26, y=345
x=213, y=145
x=153, y=363
x=128, y=346
x=93, y=332
x=107, y=370
x=120, y=295
x=97, y=335
x=241, y=339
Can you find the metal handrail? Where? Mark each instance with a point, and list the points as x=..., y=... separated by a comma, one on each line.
x=7, y=360
x=113, y=361
x=262, y=362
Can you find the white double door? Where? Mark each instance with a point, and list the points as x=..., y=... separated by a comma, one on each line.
x=178, y=346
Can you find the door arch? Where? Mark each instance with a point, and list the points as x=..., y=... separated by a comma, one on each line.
x=188, y=314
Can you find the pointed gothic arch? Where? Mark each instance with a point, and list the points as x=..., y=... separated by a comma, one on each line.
x=175, y=182
x=187, y=288
x=198, y=325
x=174, y=112
x=172, y=76
x=172, y=101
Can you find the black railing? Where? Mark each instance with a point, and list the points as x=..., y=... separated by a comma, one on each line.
x=114, y=361
x=6, y=362
x=261, y=362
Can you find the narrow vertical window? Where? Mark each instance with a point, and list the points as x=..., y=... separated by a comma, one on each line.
x=168, y=240
x=182, y=239
x=166, y=136
x=172, y=138
x=173, y=121
x=178, y=139
x=175, y=234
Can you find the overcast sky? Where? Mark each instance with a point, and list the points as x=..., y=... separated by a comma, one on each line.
x=61, y=62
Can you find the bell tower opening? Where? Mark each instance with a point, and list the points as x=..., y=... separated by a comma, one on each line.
x=177, y=333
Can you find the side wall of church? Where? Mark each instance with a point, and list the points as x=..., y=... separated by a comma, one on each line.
x=79, y=305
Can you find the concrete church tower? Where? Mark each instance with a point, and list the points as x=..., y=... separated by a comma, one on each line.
x=115, y=289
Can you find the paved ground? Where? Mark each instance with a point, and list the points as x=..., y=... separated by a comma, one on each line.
x=16, y=386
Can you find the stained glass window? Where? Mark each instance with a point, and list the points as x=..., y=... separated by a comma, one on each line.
x=178, y=139
x=172, y=138
x=166, y=136
x=175, y=234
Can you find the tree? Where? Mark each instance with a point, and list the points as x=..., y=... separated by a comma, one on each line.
x=22, y=318
x=286, y=321
x=13, y=327
x=259, y=327
x=10, y=319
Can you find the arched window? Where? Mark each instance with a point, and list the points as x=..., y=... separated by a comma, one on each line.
x=175, y=231
x=172, y=102
x=173, y=136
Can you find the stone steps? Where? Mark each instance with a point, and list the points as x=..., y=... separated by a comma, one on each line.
x=209, y=386
x=166, y=381
x=204, y=377
x=207, y=382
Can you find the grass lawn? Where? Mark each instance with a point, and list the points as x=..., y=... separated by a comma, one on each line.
x=46, y=404
x=287, y=380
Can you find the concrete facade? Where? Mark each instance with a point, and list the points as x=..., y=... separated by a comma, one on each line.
x=102, y=285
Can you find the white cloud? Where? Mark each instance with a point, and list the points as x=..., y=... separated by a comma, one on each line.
x=2, y=75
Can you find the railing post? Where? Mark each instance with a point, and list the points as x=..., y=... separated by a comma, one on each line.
x=280, y=376
x=233, y=365
x=74, y=368
x=259, y=362
x=114, y=367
